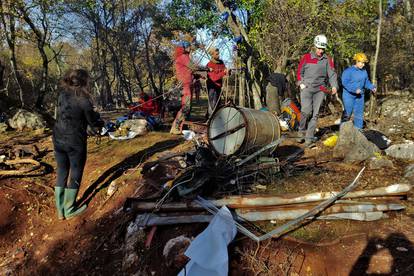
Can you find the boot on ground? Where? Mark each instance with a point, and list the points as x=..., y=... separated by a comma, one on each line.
x=59, y=200
x=70, y=207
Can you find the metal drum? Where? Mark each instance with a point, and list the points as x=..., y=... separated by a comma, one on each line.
x=237, y=130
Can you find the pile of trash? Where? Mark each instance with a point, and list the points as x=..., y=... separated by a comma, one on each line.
x=223, y=180
x=233, y=162
x=131, y=125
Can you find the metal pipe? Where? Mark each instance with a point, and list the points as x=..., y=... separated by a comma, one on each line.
x=277, y=213
x=255, y=201
x=269, y=200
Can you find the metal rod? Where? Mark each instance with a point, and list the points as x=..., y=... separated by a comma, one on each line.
x=269, y=200
x=228, y=132
x=269, y=146
x=299, y=221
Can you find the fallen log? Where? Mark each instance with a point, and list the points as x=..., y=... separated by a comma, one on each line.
x=35, y=165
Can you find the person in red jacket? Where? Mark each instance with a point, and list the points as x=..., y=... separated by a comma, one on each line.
x=147, y=105
x=184, y=72
x=315, y=71
x=217, y=70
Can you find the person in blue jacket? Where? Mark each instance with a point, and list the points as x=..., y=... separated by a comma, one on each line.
x=355, y=81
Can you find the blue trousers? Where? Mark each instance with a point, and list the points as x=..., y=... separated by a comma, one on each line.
x=354, y=104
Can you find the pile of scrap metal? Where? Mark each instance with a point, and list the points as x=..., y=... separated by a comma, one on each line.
x=364, y=205
x=239, y=151
x=236, y=153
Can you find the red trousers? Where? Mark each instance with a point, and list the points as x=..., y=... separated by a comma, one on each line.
x=184, y=112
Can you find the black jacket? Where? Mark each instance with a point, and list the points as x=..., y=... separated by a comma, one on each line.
x=74, y=114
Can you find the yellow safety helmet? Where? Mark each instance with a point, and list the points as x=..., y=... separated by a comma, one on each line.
x=360, y=57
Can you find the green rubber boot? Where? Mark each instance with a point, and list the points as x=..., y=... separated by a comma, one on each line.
x=71, y=210
x=59, y=197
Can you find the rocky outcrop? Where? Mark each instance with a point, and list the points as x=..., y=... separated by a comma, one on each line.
x=352, y=145
x=402, y=151
x=399, y=106
x=25, y=120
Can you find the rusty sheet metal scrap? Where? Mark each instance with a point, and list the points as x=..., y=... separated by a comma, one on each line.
x=294, y=211
x=279, y=231
x=268, y=200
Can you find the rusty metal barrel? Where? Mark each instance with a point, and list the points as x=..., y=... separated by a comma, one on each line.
x=238, y=130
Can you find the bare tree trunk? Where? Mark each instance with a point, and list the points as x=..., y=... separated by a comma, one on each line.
x=101, y=55
x=408, y=10
x=2, y=67
x=138, y=76
x=45, y=77
x=241, y=89
x=238, y=29
x=149, y=67
x=41, y=43
x=10, y=34
x=373, y=101
x=253, y=85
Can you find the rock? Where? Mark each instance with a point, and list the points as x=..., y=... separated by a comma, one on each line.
x=409, y=173
x=24, y=119
x=133, y=237
x=379, y=163
x=352, y=145
x=399, y=106
x=112, y=188
x=402, y=151
x=3, y=127
x=174, y=251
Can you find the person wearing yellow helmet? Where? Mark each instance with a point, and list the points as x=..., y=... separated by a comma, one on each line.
x=355, y=81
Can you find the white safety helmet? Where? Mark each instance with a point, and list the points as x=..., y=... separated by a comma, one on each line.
x=320, y=41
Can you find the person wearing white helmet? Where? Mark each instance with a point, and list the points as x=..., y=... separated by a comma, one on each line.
x=315, y=71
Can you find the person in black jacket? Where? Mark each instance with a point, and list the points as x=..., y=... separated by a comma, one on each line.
x=74, y=114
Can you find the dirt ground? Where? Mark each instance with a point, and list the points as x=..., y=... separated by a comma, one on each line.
x=33, y=241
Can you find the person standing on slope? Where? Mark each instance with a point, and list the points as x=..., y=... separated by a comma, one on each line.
x=355, y=80
x=315, y=71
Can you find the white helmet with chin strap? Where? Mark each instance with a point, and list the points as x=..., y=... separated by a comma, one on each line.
x=320, y=41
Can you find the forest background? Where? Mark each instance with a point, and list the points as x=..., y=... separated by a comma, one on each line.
x=128, y=45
